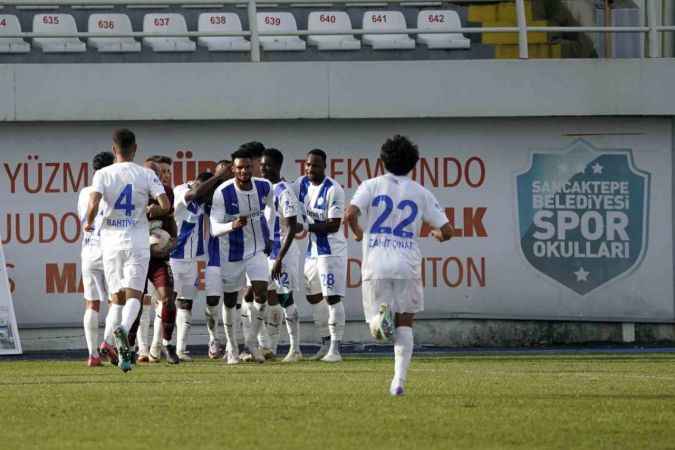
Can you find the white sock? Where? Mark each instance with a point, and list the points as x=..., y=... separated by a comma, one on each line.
x=90, y=323
x=320, y=313
x=183, y=325
x=246, y=313
x=130, y=312
x=230, y=316
x=293, y=327
x=143, y=334
x=336, y=325
x=113, y=319
x=257, y=312
x=237, y=326
x=211, y=313
x=273, y=318
x=403, y=348
x=264, y=334
x=157, y=330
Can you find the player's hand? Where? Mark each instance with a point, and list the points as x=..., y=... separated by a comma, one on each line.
x=89, y=227
x=151, y=211
x=358, y=233
x=268, y=247
x=276, y=269
x=239, y=222
x=438, y=235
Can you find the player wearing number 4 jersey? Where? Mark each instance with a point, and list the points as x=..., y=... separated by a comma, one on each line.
x=326, y=260
x=393, y=208
x=125, y=188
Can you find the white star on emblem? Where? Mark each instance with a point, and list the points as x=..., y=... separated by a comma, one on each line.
x=581, y=274
x=597, y=169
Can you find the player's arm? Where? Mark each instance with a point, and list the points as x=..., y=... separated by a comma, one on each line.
x=352, y=219
x=434, y=216
x=336, y=207
x=220, y=226
x=92, y=209
x=202, y=192
x=290, y=208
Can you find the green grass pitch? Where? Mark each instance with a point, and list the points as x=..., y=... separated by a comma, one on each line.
x=481, y=402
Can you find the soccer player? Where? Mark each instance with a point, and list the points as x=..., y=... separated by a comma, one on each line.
x=93, y=277
x=189, y=214
x=393, y=208
x=237, y=218
x=125, y=188
x=284, y=259
x=326, y=260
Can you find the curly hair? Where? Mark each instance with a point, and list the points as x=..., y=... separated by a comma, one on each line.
x=103, y=159
x=399, y=155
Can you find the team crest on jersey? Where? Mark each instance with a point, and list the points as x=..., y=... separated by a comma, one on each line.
x=319, y=201
x=583, y=215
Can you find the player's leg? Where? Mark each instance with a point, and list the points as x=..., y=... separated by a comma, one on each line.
x=214, y=289
x=319, y=306
x=155, y=353
x=143, y=338
x=233, y=280
x=113, y=266
x=244, y=302
x=408, y=298
x=292, y=326
x=274, y=316
x=185, y=282
x=95, y=289
x=333, y=275
x=159, y=274
x=257, y=270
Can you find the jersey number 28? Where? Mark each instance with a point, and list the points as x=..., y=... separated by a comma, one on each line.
x=124, y=201
x=399, y=230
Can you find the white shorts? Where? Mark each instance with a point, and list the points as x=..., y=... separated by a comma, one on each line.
x=233, y=274
x=185, y=278
x=126, y=269
x=93, y=279
x=213, y=282
x=288, y=281
x=402, y=296
x=326, y=275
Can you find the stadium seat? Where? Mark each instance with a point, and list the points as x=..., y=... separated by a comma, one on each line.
x=10, y=25
x=167, y=24
x=386, y=21
x=57, y=23
x=110, y=24
x=215, y=22
x=284, y=22
x=439, y=20
x=330, y=21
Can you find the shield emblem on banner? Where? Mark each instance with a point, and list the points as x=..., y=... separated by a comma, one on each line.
x=583, y=215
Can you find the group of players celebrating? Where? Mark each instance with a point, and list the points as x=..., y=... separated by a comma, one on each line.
x=253, y=216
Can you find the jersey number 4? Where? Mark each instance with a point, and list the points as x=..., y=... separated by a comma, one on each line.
x=399, y=230
x=124, y=201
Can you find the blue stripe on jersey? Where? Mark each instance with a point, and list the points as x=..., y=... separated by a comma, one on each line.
x=304, y=186
x=184, y=234
x=236, y=237
x=322, y=244
x=200, y=241
x=263, y=189
x=276, y=245
x=214, y=252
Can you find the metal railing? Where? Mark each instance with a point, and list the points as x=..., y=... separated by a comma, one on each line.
x=652, y=29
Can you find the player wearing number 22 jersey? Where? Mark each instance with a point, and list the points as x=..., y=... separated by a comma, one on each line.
x=125, y=188
x=393, y=208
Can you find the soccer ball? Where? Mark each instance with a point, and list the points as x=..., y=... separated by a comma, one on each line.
x=160, y=242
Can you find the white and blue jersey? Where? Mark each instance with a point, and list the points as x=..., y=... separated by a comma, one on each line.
x=321, y=203
x=190, y=223
x=229, y=203
x=393, y=209
x=285, y=205
x=91, y=248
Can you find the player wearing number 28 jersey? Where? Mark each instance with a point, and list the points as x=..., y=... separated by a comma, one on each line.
x=393, y=208
x=125, y=188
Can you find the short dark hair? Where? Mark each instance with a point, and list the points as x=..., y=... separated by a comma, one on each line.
x=159, y=159
x=103, y=159
x=223, y=161
x=318, y=152
x=255, y=148
x=124, y=139
x=275, y=155
x=399, y=155
x=204, y=176
x=241, y=154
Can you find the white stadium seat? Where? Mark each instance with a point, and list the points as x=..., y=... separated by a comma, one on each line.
x=57, y=23
x=331, y=21
x=440, y=20
x=215, y=22
x=167, y=24
x=284, y=22
x=386, y=21
x=10, y=25
x=110, y=24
